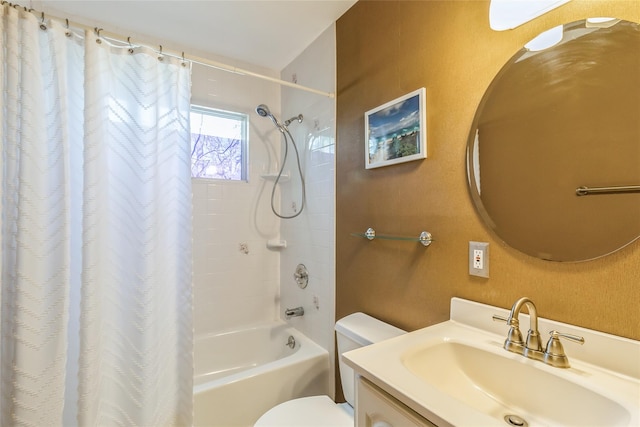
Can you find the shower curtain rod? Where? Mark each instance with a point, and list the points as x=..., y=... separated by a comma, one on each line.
x=191, y=58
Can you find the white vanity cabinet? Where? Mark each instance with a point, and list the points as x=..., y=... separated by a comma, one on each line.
x=376, y=408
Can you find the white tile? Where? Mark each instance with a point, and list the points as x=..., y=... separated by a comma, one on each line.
x=199, y=189
x=226, y=214
x=214, y=191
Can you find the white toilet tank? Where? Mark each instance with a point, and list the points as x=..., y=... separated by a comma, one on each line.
x=354, y=331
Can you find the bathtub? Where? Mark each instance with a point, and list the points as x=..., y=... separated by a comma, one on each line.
x=239, y=375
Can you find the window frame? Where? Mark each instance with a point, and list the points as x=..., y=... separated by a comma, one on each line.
x=243, y=118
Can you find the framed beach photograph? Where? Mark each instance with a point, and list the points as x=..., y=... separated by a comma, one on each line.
x=396, y=132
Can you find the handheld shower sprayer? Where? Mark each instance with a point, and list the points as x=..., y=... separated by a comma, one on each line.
x=263, y=111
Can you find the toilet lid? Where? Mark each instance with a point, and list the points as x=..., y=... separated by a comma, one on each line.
x=315, y=411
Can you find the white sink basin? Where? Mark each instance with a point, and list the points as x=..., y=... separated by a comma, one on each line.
x=499, y=386
x=456, y=373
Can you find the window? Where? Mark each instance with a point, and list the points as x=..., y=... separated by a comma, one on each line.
x=218, y=144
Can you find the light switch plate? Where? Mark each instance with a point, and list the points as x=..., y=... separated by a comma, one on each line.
x=479, y=259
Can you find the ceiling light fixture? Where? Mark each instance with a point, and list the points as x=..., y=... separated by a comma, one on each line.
x=509, y=14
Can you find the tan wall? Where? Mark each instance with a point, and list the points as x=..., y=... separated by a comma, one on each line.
x=386, y=49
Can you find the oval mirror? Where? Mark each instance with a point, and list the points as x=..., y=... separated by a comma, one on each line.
x=552, y=121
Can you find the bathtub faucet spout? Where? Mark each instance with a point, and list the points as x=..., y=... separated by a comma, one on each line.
x=293, y=312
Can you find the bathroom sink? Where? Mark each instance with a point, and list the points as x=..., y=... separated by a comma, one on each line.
x=504, y=387
x=457, y=373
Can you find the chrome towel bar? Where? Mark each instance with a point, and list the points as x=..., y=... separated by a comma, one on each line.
x=424, y=238
x=585, y=191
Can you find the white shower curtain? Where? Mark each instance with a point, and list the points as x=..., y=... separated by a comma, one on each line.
x=96, y=231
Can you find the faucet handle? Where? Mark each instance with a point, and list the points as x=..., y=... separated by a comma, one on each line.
x=574, y=338
x=514, y=341
x=555, y=335
x=554, y=354
x=511, y=321
x=498, y=318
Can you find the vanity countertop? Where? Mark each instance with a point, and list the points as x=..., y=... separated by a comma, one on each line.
x=604, y=371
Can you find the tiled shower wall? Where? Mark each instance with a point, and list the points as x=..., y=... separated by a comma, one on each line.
x=236, y=278
x=310, y=236
x=233, y=288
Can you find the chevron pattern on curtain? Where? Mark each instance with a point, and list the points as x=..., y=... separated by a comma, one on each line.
x=96, y=231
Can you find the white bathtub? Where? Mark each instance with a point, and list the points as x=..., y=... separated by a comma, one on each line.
x=239, y=375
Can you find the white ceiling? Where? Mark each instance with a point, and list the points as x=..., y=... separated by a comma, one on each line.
x=268, y=33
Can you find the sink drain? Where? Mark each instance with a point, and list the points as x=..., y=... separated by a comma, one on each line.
x=514, y=420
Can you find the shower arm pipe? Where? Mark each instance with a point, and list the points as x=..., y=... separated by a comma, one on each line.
x=190, y=58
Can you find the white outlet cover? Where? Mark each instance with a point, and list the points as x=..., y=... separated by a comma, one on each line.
x=483, y=269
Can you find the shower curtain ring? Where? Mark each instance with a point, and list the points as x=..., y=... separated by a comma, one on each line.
x=160, y=57
x=130, y=45
x=66, y=25
x=42, y=25
x=97, y=31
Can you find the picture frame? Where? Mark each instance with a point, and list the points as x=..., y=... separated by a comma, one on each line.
x=396, y=132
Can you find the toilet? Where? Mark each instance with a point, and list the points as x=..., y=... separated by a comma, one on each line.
x=353, y=331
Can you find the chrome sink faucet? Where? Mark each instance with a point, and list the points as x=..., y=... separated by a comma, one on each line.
x=553, y=354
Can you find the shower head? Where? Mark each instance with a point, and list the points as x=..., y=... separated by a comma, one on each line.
x=263, y=111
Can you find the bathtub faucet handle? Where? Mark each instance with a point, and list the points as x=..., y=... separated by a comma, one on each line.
x=293, y=312
x=301, y=276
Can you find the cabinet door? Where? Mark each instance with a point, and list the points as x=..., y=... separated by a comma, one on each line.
x=375, y=408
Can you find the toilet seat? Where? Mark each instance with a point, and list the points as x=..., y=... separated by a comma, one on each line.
x=314, y=411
